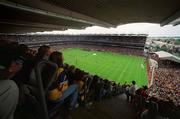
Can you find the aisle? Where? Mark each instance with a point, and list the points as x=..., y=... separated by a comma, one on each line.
x=115, y=108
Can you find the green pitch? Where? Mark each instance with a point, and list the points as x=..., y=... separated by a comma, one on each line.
x=108, y=65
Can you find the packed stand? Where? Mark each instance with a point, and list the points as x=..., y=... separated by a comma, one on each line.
x=161, y=100
x=166, y=85
x=72, y=87
x=63, y=85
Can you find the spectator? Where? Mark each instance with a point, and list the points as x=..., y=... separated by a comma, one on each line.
x=132, y=90
x=9, y=92
x=127, y=91
x=22, y=50
x=43, y=53
x=60, y=90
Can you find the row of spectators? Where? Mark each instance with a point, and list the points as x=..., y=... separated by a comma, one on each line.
x=18, y=64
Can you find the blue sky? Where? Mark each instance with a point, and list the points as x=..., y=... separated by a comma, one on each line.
x=153, y=30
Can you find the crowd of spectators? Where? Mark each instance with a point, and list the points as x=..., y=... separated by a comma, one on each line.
x=125, y=45
x=166, y=85
x=153, y=106
x=162, y=99
x=121, y=50
x=49, y=38
x=18, y=64
x=79, y=88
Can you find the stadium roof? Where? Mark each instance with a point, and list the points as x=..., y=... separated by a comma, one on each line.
x=167, y=56
x=21, y=16
x=128, y=35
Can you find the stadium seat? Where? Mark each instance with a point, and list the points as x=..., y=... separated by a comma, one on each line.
x=88, y=81
x=39, y=97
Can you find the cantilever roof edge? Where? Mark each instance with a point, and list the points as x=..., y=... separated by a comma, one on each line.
x=85, y=19
x=173, y=19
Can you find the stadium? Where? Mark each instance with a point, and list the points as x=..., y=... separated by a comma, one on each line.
x=129, y=45
x=92, y=76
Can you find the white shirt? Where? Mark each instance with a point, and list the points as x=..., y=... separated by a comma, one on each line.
x=132, y=89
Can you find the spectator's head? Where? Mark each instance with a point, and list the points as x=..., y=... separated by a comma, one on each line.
x=72, y=68
x=65, y=65
x=32, y=52
x=15, y=66
x=57, y=57
x=133, y=82
x=145, y=87
x=22, y=50
x=43, y=52
x=95, y=77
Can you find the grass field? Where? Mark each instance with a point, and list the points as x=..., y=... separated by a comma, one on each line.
x=111, y=66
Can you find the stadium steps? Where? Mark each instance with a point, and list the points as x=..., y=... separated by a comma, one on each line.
x=114, y=108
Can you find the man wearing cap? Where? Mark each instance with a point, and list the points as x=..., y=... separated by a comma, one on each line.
x=9, y=92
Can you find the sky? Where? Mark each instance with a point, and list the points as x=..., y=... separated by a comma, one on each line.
x=152, y=30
